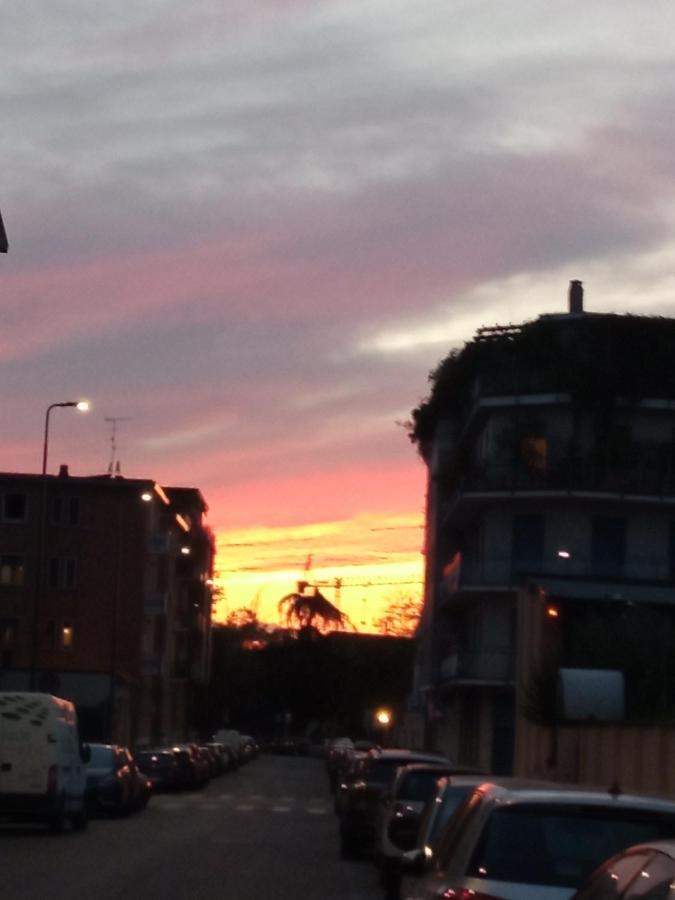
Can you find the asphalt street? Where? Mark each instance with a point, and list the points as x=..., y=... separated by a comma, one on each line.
x=267, y=831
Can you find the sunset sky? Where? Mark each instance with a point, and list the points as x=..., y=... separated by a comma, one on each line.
x=250, y=228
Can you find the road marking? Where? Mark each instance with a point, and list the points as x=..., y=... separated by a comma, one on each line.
x=244, y=807
x=281, y=809
x=225, y=796
x=317, y=810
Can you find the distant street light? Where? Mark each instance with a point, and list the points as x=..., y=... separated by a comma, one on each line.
x=383, y=719
x=82, y=406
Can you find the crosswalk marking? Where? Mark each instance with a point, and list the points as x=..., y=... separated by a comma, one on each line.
x=316, y=806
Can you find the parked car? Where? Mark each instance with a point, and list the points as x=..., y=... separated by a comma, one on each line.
x=338, y=756
x=416, y=836
x=249, y=747
x=221, y=756
x=188, y=770
x=362, y=798
x=645, y=872
x=160, y=768
x=196, y=766
x=42, y=761
x=401, y=808
x=115, y=784
x=536, y=841
x=352, y=773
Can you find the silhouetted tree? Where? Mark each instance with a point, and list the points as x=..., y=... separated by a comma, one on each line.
x=313, y=610
x=401, y=616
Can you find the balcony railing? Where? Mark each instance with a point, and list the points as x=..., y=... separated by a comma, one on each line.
x=488, y=665
x=643, y=477
x=505, y=571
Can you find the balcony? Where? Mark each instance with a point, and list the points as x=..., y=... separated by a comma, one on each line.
x=650, y=474
x=506, y=572
x=487, y=666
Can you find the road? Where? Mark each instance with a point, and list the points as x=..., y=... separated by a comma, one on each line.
x=267, y=831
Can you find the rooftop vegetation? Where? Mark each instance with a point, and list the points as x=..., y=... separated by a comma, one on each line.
x=598, y=359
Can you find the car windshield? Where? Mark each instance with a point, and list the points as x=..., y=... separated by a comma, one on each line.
x=153, y=760
x=100, y=757
x=560, y=845
x=452, y=797
x=417, y=787
x=383, y=771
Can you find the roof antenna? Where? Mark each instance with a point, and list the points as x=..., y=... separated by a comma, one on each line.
x=114, y=468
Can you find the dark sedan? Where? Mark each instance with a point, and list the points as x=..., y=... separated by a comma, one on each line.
x=160, y=768
x=361, y=801
x=115, y=784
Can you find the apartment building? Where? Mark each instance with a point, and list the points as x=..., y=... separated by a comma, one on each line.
x=105, y=598
x=550, y=449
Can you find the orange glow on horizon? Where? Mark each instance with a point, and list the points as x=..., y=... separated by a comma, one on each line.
x=376, y=557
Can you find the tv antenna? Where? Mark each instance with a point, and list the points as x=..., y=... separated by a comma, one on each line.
x=114, y=468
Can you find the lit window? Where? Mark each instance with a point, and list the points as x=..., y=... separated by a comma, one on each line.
x=67, y=637
x=534, y=450
x=11, y=571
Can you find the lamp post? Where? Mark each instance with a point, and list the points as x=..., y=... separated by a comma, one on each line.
x=82, y=406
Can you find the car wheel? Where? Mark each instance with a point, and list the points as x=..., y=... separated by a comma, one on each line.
x=80, y=820
x=57, y=821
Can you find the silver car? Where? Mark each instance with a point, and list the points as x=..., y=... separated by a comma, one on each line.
x=645, y=872
x=533, y=841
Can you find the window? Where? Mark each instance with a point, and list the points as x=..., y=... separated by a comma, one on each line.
x=527, y=547
x=9, y=632
x=67, y=636
x=11, y=571
x=14, y=507
x=534, y=452
x=559, y=845
x=608, y=545
x=61, y=573
x=65, y=510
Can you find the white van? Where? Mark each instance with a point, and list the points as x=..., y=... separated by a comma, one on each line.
x=42, y=772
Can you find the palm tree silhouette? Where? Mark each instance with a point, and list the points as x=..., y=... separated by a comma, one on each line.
x=313, y=610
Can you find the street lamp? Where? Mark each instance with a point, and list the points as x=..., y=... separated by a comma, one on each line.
x=383, y=719
x=82, y=406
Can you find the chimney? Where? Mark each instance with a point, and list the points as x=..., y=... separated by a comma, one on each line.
x=576, y=298
x=63, y=471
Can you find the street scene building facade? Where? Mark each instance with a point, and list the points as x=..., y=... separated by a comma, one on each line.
x=105, y=599
x=550, y=449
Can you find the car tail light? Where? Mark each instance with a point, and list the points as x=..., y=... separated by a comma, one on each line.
x=466, y=894
x=51, y=780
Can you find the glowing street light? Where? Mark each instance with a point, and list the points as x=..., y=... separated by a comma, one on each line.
x=81, y=406
x=383, y=717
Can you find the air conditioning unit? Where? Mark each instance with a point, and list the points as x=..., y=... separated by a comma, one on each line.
x=596, y=695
